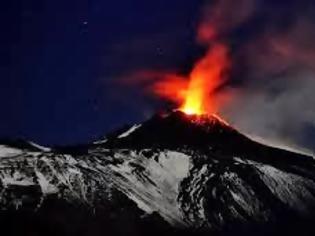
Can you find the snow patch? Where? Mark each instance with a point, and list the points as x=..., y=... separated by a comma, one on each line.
x=100, y=141
x=176, y=163
x=289, y=188
x=6, y=151
x=46, y=187
x=128, y=132
x=16, y=179
x=153, y=183
x=42, y=148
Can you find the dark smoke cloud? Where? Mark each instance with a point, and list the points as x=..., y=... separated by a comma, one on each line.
x=273, y=77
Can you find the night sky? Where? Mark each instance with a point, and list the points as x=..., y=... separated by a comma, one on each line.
x=61, y=62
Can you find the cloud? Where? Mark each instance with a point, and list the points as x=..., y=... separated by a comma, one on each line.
x=274, y=98
x=277, y=111
x=222, y=16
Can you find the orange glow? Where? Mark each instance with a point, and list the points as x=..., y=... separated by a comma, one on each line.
x=172, y=87
x=205, y=78
x=206, y=33
x=195, y=94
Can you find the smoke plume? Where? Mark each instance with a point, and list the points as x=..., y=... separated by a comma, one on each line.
x=273, y=100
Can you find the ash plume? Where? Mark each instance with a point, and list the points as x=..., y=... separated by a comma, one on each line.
x=269, y=93
x=273, y=79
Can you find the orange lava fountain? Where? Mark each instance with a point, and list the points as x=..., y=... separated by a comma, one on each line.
x=195, y=94
x=205, y=78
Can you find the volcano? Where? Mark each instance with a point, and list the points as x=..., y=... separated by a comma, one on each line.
x=174, y=174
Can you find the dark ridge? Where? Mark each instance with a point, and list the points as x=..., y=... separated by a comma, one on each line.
x=172, y=130
x=75, y=150
x=176, y=129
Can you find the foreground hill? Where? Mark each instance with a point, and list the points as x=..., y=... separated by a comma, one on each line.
x=173, y=174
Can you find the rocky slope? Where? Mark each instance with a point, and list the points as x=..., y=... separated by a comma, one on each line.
x=172, y=174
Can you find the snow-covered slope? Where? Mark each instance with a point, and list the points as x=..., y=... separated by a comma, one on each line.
x=193, y=172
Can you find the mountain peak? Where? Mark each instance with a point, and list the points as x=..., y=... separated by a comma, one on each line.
x=203, y=120
x=205, y=133
x=175, y=130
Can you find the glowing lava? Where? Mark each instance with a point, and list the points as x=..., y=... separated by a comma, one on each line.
x=205, y=78
x=197, y=92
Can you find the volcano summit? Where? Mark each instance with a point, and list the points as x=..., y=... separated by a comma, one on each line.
x=173, y=174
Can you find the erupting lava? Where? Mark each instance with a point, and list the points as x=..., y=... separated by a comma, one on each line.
x=205, y=78
x=195, y=94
